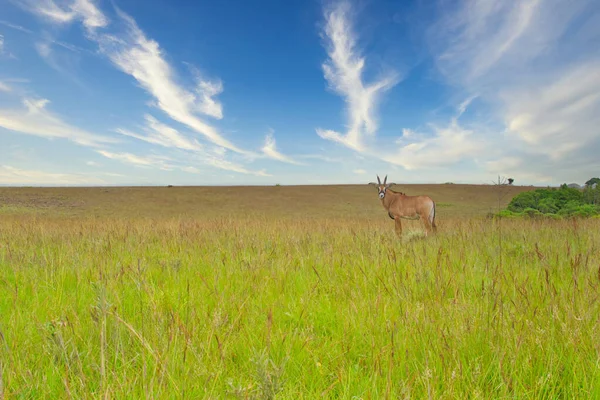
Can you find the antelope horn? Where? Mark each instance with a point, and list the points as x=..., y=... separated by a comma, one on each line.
x=378, y=180
x=385, y=180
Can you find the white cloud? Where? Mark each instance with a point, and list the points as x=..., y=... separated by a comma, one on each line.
x=447, y=145
x=43, y=49
x=359, y=171
x=270, y=150
x=181, y=162
x=4, y=87
x=15, y=26
x=219, y=162
x=142, y=58
x=344, y=72
x=163, y=135
x=160, y=162
x=14, y=176
x=192, y=152
x=320, y=157
x=532, y=63
x=87, y=10
x=559, y=117
x=1, y=44
x=92, y=164
x=207, y=105
x=82, y=10
x=191, y=170
x=206, y=91
x=504, y=164
x=36, y=120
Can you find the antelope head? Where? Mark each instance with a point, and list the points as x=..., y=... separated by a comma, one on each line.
x=382, y=187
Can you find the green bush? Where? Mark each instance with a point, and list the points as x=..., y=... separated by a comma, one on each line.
x=555, y=203
x=586, y=211
x=523, y=200
x=548, y=206
x=532, y=213
x=508, y=214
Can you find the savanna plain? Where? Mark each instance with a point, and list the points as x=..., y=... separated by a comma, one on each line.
x=295, y=292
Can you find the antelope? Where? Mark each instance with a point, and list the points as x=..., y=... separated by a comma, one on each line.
x=400, y=206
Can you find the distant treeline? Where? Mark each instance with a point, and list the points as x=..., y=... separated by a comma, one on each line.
x=555, y=203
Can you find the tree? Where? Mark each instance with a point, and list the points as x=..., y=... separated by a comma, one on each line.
x=592, y=181
x=510, y=181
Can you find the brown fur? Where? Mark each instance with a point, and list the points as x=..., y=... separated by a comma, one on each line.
x=400, y=206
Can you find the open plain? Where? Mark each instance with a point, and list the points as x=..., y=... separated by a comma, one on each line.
x=292, y=292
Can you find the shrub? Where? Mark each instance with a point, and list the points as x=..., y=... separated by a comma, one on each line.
x=555, y=203
x=523, y=200
x=586, y=211
x=548, y=206
x=592, y=181
x=508, y=214
x=532, y=213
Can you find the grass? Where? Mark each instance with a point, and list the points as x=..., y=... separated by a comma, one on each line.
x=305, y=299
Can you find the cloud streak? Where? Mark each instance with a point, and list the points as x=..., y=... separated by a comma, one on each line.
x=15, y=26
x=133, y=53
x=530, y=62
x=142, y=58
x=343, y=71
x=10, y=175
x=85, y=11
x=162, y=135
x=159, y=162
x=270, y=150
x=35, y=119
x=448, y=145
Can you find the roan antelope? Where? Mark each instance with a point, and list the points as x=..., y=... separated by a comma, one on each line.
x=400, y=206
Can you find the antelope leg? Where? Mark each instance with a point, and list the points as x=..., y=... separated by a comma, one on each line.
x=398, y=226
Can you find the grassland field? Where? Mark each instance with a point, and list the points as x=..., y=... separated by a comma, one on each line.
x=292, y=292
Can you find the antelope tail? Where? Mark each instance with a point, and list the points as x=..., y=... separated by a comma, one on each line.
x=432, y=215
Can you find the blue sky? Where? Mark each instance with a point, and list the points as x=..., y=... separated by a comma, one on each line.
x=98, y=92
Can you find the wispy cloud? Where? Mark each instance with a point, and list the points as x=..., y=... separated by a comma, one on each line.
x=60, y=56
x=320, y=157
x=160, y=162
x=4, y=87
x=270, y=150
x=533, y=64
x=132, y=52
x=206, y=91
x=359, y=171
x=35, y=119
x=446, y=146
x=557, y=118
x=15, y=26
x=191, y=151
x=184, y=161
x=163, y=135
x=344, y=73
x=15, y=176
x=1, y=44
x=85, y=11
x=143, y=59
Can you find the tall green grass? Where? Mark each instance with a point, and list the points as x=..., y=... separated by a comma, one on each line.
x=264, y=308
